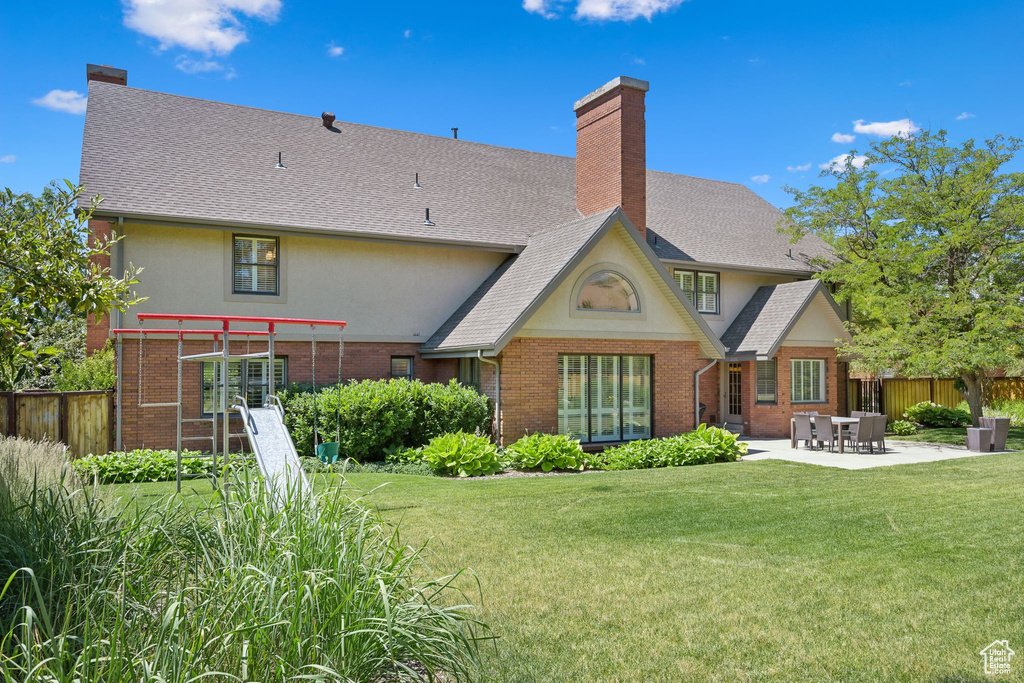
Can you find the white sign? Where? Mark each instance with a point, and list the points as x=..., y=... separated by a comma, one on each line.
x=997, y=657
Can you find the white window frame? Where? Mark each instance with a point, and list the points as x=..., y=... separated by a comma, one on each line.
x=762, y=365
x=801, y=371
x=240, y=384
x=609, y=405
x=698, y=294
x=276, y=265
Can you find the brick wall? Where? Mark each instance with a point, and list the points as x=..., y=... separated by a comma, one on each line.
x=155, y=427
x=611, y=155
x=98, y=328
x=529, y=381
x=772, y=420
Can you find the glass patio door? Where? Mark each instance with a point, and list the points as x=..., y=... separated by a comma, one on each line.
x=636, y=397
x=572, y=396
x=604, y=398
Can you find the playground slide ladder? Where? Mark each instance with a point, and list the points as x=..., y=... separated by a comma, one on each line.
x=274, y=450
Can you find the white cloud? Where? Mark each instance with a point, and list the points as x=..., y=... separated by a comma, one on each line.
x=905, y=84
x=70, y=101
x=640, y=61
x=407, y=33
x=761, y=179
x=843, y=137
x=210, y=26
x=902, y=127
x=606, y=10
x=334, y=50
x=964, y=116
x=8, y=159
x=197, y=66
x=838, y=163
x=801, y=167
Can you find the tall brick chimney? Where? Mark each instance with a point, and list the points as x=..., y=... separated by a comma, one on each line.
x=611, y=150
x=106, y=74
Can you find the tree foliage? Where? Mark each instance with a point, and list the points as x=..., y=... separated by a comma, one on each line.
x=928, y=242
x=48, y=274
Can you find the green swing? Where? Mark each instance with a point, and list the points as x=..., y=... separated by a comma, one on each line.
x=327, y=451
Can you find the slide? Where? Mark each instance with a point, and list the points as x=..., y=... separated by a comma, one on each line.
x=272, y=445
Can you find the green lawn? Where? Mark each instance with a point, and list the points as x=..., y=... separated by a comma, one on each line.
x=958, y=436
x=744, y=571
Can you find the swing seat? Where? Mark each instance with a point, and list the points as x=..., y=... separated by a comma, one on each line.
x=327, y=452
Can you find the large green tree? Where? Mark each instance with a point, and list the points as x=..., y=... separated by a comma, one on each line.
x=928, y=241
x=48, y=274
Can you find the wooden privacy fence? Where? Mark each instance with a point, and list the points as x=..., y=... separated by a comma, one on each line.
x=894, y=395
x=84, y=420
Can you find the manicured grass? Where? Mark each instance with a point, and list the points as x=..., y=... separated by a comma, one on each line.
x=958, y=436
x=745, y=571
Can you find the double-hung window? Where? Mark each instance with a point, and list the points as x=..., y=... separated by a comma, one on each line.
x=254, y=265
x=246, y=377
x=766, y=381
x=808, y=380
x=604, y=397
x=701, y=288
x=469, y=372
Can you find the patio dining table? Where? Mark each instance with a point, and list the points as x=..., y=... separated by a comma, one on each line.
x=837, y=423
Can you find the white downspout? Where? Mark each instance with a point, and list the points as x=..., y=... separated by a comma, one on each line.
x=497, y=392
x=696, y=391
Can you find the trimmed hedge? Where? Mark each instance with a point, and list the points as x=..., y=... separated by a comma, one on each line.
x=377, y=417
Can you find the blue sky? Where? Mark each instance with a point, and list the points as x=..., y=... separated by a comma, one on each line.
x=744, y=91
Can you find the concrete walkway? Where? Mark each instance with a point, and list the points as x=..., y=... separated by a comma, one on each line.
x=897, y=453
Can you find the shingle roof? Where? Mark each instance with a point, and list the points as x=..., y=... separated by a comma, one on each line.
x=768, y=317
x=177, y=158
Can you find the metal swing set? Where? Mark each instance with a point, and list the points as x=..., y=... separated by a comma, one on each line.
x=264, y=425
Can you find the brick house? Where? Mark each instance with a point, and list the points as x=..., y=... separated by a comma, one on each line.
x=589, y=295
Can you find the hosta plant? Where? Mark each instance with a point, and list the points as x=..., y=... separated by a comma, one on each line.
x=902, y=428
x=546, y=452
x=462, y=454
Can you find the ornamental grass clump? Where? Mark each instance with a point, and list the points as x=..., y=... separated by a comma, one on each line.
x=546, y=452
x=92, y=590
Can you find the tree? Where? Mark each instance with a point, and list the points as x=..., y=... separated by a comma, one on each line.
x=47, y=274
x=930, y=252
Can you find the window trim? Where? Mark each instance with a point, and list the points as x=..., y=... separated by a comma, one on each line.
x=243, y=378
x=475, y=371
x=277, y=265
x=412, y=367
x=693, y=294
x=823, y=384
x=636, y=294
x=587, y=437
x=775, y=383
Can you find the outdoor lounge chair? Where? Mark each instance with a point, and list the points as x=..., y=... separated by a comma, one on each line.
x=824, y=431
x=804, y=430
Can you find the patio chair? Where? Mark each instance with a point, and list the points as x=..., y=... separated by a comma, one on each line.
x=878, y=431
x=824, y=431
x=862, y=433
x=858, y=413
x=804, y=429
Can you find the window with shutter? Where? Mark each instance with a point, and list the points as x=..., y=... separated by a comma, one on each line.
x=807, y=381
x=700, y=288
x=604, y=397
x=254, y=265
x=766, y=381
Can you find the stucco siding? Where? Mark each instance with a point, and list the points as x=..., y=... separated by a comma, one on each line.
x=818, y=326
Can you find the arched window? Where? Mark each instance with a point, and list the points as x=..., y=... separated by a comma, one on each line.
x=607, y=291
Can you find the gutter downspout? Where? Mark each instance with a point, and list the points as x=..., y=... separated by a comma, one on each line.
x=120, y=324
x=497, y=391
x=696, y=391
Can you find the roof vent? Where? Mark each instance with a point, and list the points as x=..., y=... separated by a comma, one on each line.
x=416, y=185
x=280, y=164
x=427, y=221
x=328, y=118
x=455, y=133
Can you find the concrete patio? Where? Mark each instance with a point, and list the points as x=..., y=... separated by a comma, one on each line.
x=897, y=453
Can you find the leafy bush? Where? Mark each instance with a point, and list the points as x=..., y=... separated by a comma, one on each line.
x=97, y=371
x=143, y=464
x=933, y=415
x=351, y=466
x=902, y=428
x=546, y=452
x=374, y=417
x=1005, y=408
x=97, y=590
x=702, y=446
x=459, y=453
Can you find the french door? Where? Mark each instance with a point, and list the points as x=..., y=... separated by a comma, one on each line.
x=604, y=397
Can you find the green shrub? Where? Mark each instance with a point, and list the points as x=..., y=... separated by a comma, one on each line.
x=374, y=417
x=1006, y=408
x=702, y=446
x=902, y=428
x=546, y=452
x=933, y=415
x=143, y=464
x=323, y=589
x=459, y=453
x=97, y=371
x=351, y=466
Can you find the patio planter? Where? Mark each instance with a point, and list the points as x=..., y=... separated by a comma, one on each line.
x=1000, y=427
x=979, y=439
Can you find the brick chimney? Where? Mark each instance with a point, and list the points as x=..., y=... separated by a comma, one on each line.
x=106, y=74
x=611, y=150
